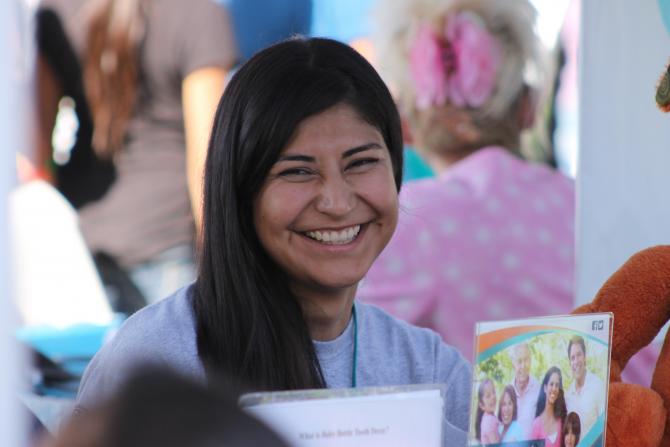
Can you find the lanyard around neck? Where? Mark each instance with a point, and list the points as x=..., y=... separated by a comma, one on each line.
x=353, y=368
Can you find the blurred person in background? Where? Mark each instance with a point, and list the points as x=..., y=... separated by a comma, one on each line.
x=159, y=408
x=147, y=75
x=350, y=21
x=492, y=236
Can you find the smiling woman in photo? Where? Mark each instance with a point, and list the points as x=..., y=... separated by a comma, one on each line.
x=300, y=197
x=510, y=430
x=551, y=410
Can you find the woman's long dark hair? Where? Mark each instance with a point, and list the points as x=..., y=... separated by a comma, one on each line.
x=111, y=70
x=560, y=409
x=249, y=325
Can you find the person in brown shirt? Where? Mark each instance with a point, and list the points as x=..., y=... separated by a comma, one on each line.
x=151, y=73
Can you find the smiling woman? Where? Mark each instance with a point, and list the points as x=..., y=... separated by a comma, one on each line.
x=551, y=410
x=301, y=195
x=326, y=210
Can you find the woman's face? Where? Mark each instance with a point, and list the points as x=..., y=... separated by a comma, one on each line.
x=506, y=409
x=552, y=388
x=329, y=205
x=570, y=439
x=488, y=402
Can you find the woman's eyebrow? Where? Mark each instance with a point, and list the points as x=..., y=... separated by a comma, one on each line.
x=365, y=147
x=347, y=153
x=297, y=157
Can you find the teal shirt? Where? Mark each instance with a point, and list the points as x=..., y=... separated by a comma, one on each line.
x=414, y=167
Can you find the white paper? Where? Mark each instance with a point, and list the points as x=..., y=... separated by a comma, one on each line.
x=399, y=419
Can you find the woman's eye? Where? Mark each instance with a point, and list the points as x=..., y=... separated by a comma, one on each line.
x=362, y=162
x=295, y=173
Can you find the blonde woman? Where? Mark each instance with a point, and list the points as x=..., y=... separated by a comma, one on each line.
x=492, y=236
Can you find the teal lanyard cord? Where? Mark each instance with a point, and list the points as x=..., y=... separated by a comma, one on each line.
x=353, y=369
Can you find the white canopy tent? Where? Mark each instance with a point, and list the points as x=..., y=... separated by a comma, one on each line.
x=12, y=431
x=623, y=179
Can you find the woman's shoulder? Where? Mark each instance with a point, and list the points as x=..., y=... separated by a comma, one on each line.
x=422, y=348
x=166, y=319
x=432, y=193
x=163, y=334
x=395, y=352
x=536, y=426
x=382, y=324
x=513, y=433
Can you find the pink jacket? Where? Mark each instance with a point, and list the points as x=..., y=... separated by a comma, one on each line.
x=492, y=238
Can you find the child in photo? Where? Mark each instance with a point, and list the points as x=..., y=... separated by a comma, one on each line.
x=571, y=430
x=487, y=422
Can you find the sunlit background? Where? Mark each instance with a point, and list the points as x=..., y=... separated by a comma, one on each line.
x=611, y=225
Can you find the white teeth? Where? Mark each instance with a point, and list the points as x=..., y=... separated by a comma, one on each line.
x=335, y=237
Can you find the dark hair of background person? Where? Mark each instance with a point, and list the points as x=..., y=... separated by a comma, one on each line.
x=85, y=177
x=572, y=424
x=577, y=340
x=511, y=392
x=560, y=409
x=159, y=408
x=111, y=67
x=249, y=324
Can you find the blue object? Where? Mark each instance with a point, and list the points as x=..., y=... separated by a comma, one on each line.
x=664, y=8
x=71, y=347
x=414, y=167
x=343, y=20
x=260, y=23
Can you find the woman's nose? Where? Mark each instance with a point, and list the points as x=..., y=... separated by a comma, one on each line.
x=336, y=197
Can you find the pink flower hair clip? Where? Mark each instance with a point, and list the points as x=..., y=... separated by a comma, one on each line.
x=459, y=66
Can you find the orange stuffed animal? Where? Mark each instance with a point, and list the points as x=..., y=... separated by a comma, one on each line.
x=639, y=296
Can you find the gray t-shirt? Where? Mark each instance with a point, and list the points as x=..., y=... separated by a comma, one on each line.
x=390, y=352
x=147, y=209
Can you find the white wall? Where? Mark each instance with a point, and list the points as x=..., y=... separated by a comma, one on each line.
x=12, y=85
x=623, y=181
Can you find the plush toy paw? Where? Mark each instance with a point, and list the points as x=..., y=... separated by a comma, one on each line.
x=635, y=416
x=638, y=294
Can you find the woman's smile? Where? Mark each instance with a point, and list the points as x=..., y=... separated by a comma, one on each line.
x=553, y=387
x=335, y=237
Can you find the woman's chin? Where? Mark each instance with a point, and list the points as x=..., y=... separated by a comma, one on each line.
x=329, y=284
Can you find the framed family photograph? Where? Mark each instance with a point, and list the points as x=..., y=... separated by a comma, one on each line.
x=541, y=382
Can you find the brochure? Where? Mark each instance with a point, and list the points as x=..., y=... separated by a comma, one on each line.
x=374, y=416
x=541, y=381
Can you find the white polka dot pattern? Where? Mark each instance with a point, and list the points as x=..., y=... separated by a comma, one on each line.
x=492, y=238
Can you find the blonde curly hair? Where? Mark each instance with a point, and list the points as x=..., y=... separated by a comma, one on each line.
x=511, y=22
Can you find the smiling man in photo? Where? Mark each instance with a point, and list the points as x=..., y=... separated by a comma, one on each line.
x=585, y=395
